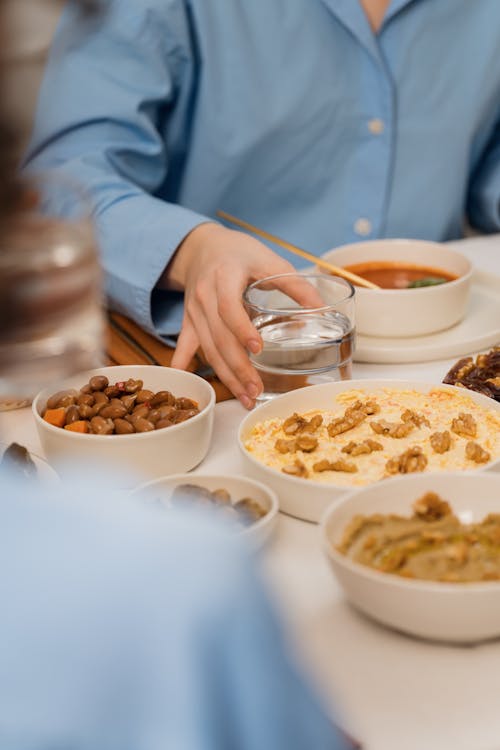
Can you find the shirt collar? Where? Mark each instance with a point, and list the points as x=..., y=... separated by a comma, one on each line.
x=352, y=16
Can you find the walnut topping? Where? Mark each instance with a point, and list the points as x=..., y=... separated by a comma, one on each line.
x=368, y=408
x=285, y=446
x=418, y=419
x=305, y=443
x=345, y=423
x=297, y=469
x=293, y=424
x=411, y=460
x=430, y=507
x=440, y=441
x=392, y=429
x=474, y=452
x=464, y=425
x=357, y=449
x=494, y=381
x=353, y=416
x=339, y=465
x=297, y=424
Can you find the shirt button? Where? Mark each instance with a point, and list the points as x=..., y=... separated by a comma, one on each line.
x=362, y=227
x=376, y=126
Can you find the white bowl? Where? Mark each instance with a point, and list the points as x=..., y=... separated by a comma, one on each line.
x=461, y=612
x=139, y=456
x=408, y=312
x=305, y=498
x=238, y=487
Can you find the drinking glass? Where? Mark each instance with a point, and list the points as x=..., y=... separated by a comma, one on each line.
x=51, y=310
x=303, y=344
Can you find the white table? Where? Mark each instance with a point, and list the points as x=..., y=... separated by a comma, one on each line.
x=393, y=692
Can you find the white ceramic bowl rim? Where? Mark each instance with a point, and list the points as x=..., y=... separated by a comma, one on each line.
x=424, y=289
x=397, y=581
x=282, y=310
x=192, y=478
x=356, y=384
x=142, y=435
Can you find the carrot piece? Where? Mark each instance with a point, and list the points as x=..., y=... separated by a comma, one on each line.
x=79, y=426
x=57, y=417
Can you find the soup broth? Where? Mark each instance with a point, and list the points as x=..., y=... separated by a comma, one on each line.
x=396, y=275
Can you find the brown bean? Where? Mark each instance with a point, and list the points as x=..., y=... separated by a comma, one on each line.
x=72, y=414
x=101, y=426
x=86, y=398
x=143, y=425
x=166, y=412
x=112, y=391
x=61, y=398
x=154, y=416
x=162, y=423
x=128, y=401
x=185, y=403
x=182, y=415
x=122, y=427
x=163, y=397
x=98, y=382
x=144, y=395
x=100, y=397
x=141, y=411
x=132, y=386
x=113, y=411
x=86, y=411
x=86, y=388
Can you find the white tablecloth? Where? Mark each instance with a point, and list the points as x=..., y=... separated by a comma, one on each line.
x=393, y=692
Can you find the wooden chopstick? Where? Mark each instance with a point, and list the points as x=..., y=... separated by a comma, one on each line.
x=335, y=270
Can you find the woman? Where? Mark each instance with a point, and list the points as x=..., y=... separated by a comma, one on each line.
x=324, y=121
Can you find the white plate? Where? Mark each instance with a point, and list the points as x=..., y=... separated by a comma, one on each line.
x=44, y=471
x=478, y=330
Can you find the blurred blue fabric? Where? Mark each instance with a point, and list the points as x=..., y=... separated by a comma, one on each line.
x=290, y=114
x=127, y=629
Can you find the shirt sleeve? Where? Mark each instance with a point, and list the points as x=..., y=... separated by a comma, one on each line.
x=484, y=193
x=107, y=88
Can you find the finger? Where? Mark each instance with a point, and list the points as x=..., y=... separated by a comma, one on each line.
x=231, y=310
x=218, y=364
x=187, y=345
x=295, y=286
x=300, y=290
x=227, y=347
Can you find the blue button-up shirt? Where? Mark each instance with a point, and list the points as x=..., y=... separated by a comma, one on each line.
x=290, y=114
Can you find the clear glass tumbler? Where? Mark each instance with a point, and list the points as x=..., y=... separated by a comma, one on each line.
x=306, y=322
x=51, y=307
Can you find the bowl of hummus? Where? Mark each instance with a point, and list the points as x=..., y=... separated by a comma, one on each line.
x=315, y=444
x=421, y=554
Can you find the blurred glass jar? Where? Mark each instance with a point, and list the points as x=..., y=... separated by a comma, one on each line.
x=51, y=307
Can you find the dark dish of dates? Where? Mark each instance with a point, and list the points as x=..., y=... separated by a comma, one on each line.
x=481, y=375
x=243, y=512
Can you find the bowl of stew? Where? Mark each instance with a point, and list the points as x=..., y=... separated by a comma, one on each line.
x=424, y=286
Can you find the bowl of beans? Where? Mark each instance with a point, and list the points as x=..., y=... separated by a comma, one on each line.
x=136, y=421
x=247, y=507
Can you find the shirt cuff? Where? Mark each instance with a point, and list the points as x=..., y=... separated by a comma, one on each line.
x=138, y=237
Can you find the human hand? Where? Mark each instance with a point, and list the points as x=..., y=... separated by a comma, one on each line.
x=213, y=266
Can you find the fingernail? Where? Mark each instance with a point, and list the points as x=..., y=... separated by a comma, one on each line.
x=254, y=346
x=252, y=390
x=247, y=403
